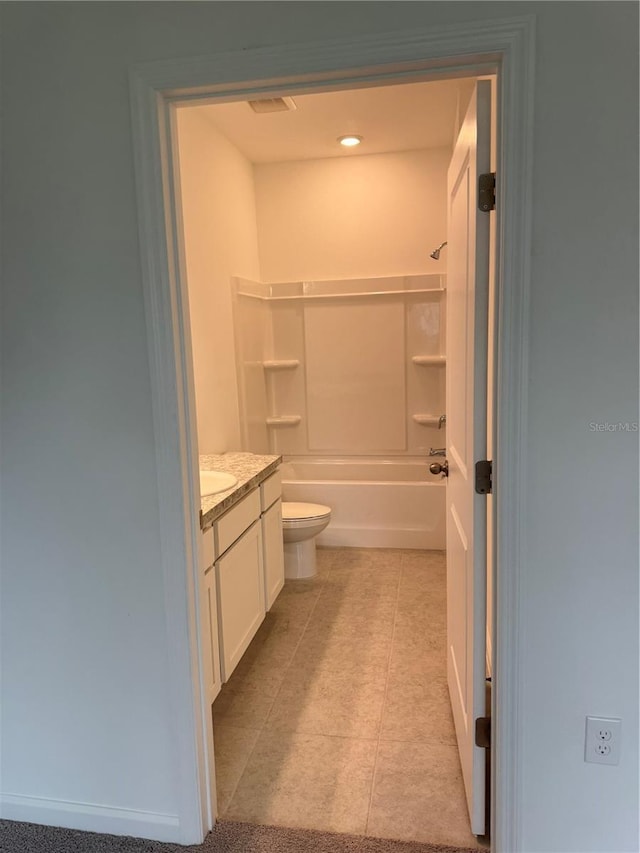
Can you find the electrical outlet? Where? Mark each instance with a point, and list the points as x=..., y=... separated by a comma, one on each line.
x=602, y=740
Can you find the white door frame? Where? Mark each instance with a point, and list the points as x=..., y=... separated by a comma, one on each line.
x=504, y=45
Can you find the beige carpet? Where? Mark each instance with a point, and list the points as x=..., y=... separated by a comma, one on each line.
x=227, y=837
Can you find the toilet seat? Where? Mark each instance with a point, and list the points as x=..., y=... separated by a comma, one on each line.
x=295, y=512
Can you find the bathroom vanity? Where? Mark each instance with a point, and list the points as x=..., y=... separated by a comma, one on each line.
x=241, y=559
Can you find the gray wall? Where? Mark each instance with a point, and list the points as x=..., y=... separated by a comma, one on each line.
x=84, y=668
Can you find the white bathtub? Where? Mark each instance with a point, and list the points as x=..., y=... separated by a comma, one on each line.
x=393, y=503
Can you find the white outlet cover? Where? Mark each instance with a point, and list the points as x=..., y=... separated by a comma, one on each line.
x=602, y=740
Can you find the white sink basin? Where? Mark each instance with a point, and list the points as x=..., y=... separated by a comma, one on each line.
x=212, y=482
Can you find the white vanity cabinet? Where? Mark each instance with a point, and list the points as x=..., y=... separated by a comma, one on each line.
x=239, y=579
x=209, y=619
x=273, y=553
x=243, y=573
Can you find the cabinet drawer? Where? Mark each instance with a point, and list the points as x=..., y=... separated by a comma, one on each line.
x=270, y=490
x=237, y=520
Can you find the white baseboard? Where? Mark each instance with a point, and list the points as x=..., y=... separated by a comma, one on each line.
x=90, y=817
x=376, y=537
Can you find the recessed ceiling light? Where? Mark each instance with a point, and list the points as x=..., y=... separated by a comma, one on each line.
x=350, y=140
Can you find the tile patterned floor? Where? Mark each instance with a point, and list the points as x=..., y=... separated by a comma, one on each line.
x=337, y=717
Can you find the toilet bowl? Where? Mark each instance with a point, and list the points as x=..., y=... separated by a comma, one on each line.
x=301, y=523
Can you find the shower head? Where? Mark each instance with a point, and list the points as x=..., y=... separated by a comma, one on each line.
x=436, y=252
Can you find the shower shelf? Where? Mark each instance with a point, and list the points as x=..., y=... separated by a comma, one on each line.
x=284, y=421
x=281, y=364
x=427, y=420
x=364, y=294
x=429, y=360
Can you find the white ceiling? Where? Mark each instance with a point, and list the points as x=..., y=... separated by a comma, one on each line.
x=402, y=117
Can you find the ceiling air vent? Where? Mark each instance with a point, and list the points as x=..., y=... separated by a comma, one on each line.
x=272, y=105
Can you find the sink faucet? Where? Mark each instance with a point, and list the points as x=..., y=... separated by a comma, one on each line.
x=437, y=451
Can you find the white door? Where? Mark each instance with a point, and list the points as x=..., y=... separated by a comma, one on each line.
x=466, y=350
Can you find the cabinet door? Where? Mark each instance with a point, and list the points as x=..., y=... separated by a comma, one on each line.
x=240, y=586
x=210, y=644
x=273, y=552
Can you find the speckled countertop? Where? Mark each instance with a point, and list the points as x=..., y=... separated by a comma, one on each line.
x=250, y=470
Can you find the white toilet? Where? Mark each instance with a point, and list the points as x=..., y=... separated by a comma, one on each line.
x=301, y=523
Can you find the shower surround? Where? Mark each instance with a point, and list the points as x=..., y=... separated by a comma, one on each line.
x=346, y=379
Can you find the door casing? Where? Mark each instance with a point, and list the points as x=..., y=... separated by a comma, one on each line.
x=504, y=47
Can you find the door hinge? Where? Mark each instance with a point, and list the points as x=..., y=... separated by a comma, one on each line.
x=483, y=732
x=484, y=470
x=487, y=192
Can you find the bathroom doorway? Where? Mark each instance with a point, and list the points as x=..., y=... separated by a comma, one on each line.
x=156, y=89
x=323, y=269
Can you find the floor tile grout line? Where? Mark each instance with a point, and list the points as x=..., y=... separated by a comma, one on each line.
x=384, y=702
x=332, y=736
x=240, y=775
x=420, y=742
x=304, y=630
x=263, y=727
x=375, y=741
x=287, y=667
x=302, y=734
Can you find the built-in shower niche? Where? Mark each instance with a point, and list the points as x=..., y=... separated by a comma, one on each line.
x=352, y=366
